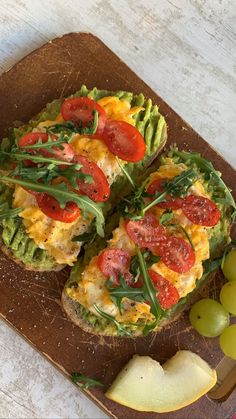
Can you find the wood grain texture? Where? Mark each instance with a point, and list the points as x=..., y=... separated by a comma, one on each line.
x=185, y=51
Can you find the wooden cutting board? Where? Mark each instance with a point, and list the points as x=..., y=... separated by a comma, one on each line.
x=30, y=302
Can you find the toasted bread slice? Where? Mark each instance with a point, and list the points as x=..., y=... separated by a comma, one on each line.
x=149, y=122
x=218, y=238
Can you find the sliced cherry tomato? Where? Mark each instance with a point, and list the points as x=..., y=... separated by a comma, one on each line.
x=99, y=189
x=66, y=153
x=170, y=203
x=146, y=232
x=176, y=254
x=111, y=262
x=167, y=293
x=124, y=140
x=50, y=207
x=81, y=109
x=200, y=210
x=32, y=138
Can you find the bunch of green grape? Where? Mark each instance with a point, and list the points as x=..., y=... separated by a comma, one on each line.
x=211, y=318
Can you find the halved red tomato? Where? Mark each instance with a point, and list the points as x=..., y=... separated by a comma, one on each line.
x=50, y=207
x=200, y=210
x=111, y=262
x=32, y=138
x=66, y=153
x=167, y=293
x=81, y=109
x=124, y=140
x=176, y=254
x=146, y=232
x=170, y=203
x=99, y=189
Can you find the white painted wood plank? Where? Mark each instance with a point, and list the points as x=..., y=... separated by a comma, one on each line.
x=30, y=387
x=185, y=50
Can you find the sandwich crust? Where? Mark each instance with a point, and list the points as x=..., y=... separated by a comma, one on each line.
x=72, y=310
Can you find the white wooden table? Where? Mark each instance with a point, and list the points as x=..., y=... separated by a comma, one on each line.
x=185, y=50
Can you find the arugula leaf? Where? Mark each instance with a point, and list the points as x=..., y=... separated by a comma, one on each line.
x=134, y=268
x=186, y=235
x=68, y=127
x=7, y=212
x=133, y=203
x=124, y=290
x=63, y=195
x=49, y=144
x=122, y=331
x=178, y=186
x=181, y=183
x=35, y=158
x=127, y=175
x=151, y=291
x=72, y=174
x=166, y=217
x=150, y=260
x=77, y=127
x=83, y=381
x=211, y=265
x=183, y=230
x=85, y=237
x=214, y=177
x=47, y=173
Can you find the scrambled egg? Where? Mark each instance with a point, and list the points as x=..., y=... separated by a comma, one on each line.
x=91, y=288
x=97, y=151
x=55, y=236
x=119, y=109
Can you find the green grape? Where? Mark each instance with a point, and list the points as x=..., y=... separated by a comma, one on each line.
x=208, y=317
x=228, y=297
x=229, y=267
x=228, y=341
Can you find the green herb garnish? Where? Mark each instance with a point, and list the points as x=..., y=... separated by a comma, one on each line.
x=77, y=127
x=178, y=186
x=151, y=291
x=122, y=331
x=124, y=290
x=84, y=382
x=85, y=237
x=212, y=176
x=63, y=195
x=166, y=217
x=35, y=158
x=47, y=173
x=134, y=206
x=150, y=260
x=187, y=236
x=127, y=175
x=49, y=144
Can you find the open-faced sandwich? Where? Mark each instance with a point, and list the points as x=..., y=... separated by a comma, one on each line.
x=65, y=169
x=171, y=234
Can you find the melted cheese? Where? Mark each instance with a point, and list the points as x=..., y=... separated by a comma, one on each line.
x=91, y=288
